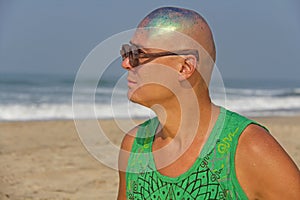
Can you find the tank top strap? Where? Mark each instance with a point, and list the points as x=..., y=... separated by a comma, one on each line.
x=140, y=155
x=145, y=135
x=222, y=159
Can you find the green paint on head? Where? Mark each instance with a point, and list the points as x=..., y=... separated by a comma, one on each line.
x=171, y=19
x=164, y=22
x=173, y=28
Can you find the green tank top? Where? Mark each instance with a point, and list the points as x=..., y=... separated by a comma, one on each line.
x=212, y=176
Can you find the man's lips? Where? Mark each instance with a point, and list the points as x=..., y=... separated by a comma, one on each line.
x=131, y=82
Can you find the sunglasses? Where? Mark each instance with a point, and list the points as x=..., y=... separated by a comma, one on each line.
x=135, y=54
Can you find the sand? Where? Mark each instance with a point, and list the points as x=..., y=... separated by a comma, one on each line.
x=46, y=159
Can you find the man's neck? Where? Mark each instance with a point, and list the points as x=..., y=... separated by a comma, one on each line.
x=182, y=126
x=184, y=117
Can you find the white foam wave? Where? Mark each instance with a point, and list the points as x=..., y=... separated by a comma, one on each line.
x=256, y=106
x=116, y=105
x=64, y=111
x=35, y=112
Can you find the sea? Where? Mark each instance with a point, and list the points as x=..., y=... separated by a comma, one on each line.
x=26, y=97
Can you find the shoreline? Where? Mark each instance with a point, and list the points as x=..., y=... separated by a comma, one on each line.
x=295, y=115
x=45, y=159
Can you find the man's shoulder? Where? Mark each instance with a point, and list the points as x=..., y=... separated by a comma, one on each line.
x=260, y=160
x=256, y=138
x=258, y=144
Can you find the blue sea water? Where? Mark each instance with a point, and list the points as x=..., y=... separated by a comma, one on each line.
x=47, y=97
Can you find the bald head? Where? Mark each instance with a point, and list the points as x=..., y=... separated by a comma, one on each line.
x=185, y=21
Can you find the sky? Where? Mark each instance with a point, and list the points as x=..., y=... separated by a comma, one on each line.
x=254, y=39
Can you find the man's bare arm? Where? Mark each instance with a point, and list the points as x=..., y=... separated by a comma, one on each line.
x=264, y=169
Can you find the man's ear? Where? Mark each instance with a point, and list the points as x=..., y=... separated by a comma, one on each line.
x=188, y=67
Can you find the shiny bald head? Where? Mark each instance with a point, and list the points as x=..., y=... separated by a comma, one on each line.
x=181, y=20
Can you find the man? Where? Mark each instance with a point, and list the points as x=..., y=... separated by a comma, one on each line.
x=193, y=149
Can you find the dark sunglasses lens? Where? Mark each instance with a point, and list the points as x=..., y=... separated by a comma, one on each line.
x=133, y=59
x=124, y=51
x=134, y=56
x=132, y=53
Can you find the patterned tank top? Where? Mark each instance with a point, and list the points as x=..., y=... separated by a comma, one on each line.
x=212, y=176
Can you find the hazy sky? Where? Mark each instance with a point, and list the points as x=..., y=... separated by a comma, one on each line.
x=254, y=39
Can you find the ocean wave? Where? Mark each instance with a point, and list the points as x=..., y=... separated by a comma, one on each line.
x=16, y=112
x=23, y=99
x=249, y=106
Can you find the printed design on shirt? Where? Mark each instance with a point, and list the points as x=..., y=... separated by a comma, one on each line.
x=211, y=179
x=225, y=143
x=202, y=183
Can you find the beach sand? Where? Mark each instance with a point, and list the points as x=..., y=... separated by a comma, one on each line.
x=46, y=159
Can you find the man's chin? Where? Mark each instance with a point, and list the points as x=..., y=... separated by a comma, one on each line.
x=132, y=97
x=135, y=99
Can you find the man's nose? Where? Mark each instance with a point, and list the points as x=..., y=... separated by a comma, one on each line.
x=126, y=65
